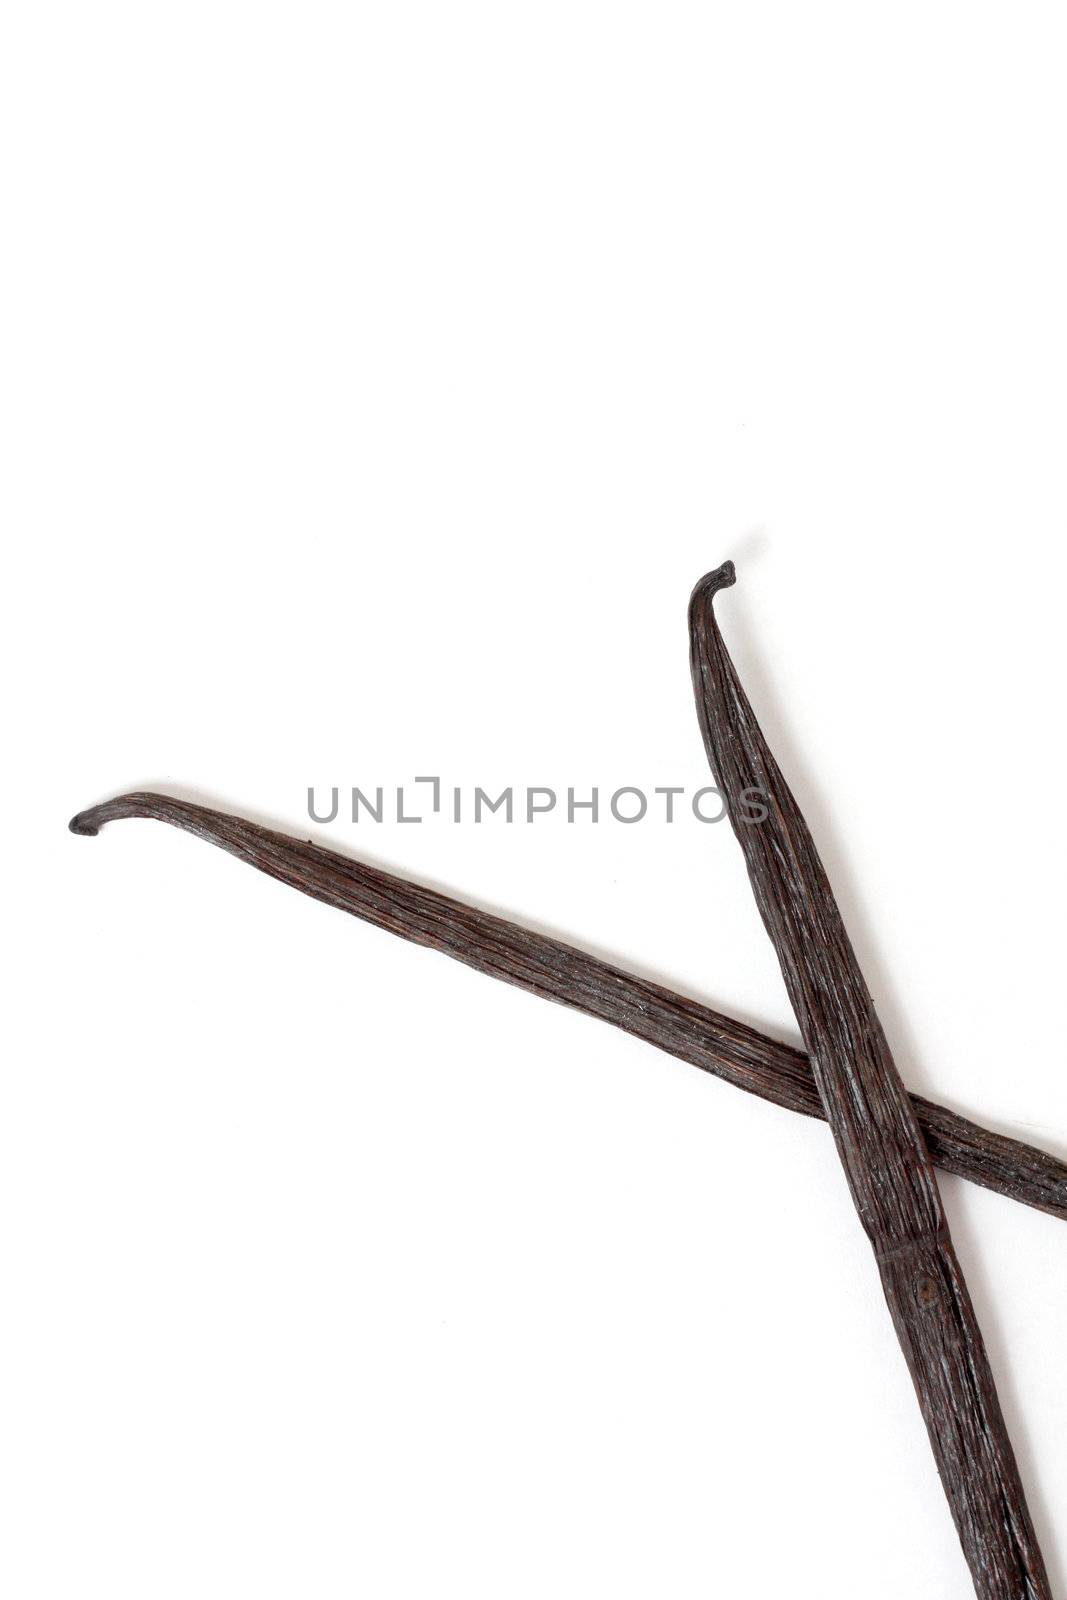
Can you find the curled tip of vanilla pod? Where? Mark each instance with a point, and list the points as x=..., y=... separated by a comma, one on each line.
x=723, y=577
x=88, y=823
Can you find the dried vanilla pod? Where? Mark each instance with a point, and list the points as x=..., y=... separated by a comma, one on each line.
x=878, y=1137
x=717, y=1044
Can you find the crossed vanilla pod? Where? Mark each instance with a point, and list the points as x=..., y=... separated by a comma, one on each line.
x=888, y=1141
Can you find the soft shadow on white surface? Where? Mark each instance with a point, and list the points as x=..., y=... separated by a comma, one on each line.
x=747, y=551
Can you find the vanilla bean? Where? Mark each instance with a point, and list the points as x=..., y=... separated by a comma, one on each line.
x=878, y=1138
x=715, y=1043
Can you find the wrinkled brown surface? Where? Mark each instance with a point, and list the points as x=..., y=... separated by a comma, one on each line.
x=878, y=1138
x=707, y=1039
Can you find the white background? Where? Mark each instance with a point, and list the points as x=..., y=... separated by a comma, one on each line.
x=378, y=381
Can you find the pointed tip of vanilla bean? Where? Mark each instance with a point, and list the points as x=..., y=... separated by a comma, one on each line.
x=712, y=582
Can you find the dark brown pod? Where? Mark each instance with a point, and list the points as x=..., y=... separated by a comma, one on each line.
x=878, y=1138
x=707, y=1039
